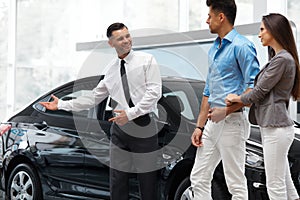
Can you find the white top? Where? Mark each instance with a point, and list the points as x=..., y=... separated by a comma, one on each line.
x=144, y=82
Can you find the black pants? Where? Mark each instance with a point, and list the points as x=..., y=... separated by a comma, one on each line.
x=133, y=150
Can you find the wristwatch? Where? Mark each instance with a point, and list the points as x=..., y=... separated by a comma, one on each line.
x=201, y=128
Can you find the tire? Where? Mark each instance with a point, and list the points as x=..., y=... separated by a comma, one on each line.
x=24, y=184
x=219, y=190
x=183, y=186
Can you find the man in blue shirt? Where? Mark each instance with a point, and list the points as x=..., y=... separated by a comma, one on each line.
x=221, y=131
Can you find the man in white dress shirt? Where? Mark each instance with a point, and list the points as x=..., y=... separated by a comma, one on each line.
x=133, y=134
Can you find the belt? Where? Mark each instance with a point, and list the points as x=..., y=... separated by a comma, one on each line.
x=239, y=110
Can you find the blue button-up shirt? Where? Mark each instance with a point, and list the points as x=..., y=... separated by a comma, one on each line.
x=232, y=68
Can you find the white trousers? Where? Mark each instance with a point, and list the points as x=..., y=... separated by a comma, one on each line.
x=276, y=144
x=226, y=141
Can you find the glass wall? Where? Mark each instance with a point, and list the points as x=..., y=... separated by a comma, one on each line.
x=3, y=55
x=293, y=9
x=198, y=13
x=48, y=31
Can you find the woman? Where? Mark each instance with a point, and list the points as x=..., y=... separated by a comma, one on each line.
x=274, y=85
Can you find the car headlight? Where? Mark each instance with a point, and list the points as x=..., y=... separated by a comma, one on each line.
x=254, y=160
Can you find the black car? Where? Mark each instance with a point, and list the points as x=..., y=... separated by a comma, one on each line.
x=65, y=155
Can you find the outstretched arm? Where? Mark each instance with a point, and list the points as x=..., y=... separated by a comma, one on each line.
x=51, y=105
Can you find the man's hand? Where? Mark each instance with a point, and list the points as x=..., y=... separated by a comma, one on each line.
x=51, y=105
x=121, y=118
x=217, y=114
x=230, y=99
x=197, y=138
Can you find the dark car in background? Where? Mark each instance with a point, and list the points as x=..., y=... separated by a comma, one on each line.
x=65, y=155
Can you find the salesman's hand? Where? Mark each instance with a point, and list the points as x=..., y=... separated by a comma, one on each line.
x=120, y=118
x=51, y=105
x=197, y=138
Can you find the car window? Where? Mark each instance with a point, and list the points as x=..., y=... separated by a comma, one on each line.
x=88, y=113
x=186, y=109
x=76, y=94
x=70, y=92
x=185, y=95
x=108, y=111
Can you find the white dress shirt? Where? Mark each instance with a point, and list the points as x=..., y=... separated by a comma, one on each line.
x=144, y=82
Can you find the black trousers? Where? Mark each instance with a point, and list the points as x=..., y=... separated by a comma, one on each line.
x=133, y=150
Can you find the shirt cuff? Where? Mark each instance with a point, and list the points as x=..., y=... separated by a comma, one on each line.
x=130, y=114
x=60, y=104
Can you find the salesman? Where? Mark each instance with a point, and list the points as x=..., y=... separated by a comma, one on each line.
x=133, y=81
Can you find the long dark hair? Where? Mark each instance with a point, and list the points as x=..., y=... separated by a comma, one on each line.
x=280, y=28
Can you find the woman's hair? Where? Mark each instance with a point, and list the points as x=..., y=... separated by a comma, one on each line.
x=228, y=7
x=280, y=28
x=114, y=27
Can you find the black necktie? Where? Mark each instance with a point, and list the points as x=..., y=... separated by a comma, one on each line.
x=125, y=84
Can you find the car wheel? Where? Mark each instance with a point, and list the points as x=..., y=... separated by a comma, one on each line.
x=182, y=192
x=24, y=184
x=219, y=190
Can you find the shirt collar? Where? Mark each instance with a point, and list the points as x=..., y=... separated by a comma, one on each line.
x=128, y=58
x=229, y=36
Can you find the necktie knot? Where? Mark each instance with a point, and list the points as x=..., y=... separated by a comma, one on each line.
x=123, y=67
x=122, y=62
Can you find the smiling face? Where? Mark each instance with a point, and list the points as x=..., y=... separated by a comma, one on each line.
x=121, y=41
x=265, y=36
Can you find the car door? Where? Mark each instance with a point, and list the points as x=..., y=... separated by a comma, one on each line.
x=178, y=109
x=64, y=146
x=61, y=154
x=97, y=160
x=57, y=137
x=97, y=152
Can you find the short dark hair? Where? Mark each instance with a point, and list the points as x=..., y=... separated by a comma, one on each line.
x=114, y=27
x=228, y=7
